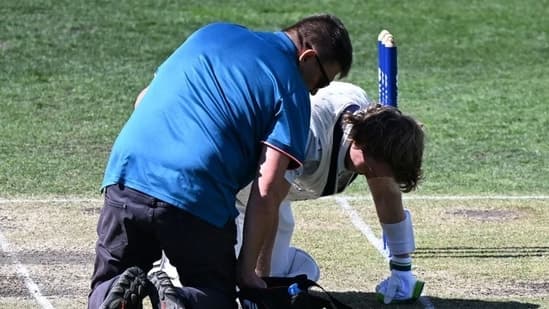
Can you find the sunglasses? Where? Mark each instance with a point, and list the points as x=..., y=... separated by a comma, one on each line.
x=325, y=81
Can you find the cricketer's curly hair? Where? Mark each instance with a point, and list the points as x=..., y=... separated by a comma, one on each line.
x=385, y=134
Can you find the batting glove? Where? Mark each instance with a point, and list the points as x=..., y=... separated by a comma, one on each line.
x=401, y=287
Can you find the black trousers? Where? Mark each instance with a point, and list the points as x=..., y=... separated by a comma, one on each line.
x=134, y=228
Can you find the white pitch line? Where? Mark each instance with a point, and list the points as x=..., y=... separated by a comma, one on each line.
x=348, y=197
x=362, y=226
x=23, y=273
x=376, y=242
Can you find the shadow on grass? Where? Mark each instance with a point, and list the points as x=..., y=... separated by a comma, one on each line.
x=486, y=252
x=358, y=300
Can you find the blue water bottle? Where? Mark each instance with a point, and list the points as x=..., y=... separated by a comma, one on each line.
x=298, y=298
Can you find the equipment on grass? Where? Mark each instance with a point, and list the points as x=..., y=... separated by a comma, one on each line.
x=288, y=293
x=387, y=68
x=301, y=262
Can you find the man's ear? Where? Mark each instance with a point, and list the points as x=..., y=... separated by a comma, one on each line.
x=306, y=54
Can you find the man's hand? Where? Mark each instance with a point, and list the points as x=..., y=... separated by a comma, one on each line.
x=249, y=279
x=400, y=287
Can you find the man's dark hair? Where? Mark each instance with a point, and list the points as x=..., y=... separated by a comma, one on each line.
x=386, y=135
x=327, y=35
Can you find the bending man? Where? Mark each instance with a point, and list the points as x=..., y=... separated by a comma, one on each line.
x=230, y=106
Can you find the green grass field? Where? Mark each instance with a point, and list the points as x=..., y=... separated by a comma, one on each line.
x=474, y=72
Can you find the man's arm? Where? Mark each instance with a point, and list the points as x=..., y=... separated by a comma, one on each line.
x=261, y=220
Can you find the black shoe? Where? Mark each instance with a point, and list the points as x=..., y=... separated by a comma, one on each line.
x=168, y=294
x=128, y=291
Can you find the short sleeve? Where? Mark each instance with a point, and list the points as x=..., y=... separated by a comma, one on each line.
x=291, y=127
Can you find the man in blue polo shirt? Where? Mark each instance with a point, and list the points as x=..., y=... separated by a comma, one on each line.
x=229, y=106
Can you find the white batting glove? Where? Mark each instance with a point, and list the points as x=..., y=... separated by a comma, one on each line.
x=401, y=287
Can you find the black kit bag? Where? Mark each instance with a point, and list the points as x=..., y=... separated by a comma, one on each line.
x=288, y=293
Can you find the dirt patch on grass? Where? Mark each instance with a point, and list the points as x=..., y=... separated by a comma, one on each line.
x=12, y=286
x=94, y=211
x=57, y=273
x=54, y=257
x=518, y=289
x=486, y=214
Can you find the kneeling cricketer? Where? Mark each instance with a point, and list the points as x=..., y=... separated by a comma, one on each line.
x=350, y=136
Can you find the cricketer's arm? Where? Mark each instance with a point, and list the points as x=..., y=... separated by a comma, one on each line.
x=398, y=233
x=385, y=192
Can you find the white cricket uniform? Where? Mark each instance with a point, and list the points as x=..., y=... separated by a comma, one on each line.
x=310, y=180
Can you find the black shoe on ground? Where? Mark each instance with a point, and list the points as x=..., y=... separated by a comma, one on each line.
x=168, y=294
x=128, y=291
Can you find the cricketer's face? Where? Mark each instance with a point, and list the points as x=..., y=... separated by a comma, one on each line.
x=366, y=165
x=358, y=159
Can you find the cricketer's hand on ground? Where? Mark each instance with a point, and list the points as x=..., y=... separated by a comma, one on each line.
x=400, y=287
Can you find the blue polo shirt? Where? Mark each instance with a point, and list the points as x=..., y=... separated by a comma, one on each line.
x=195, y=139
